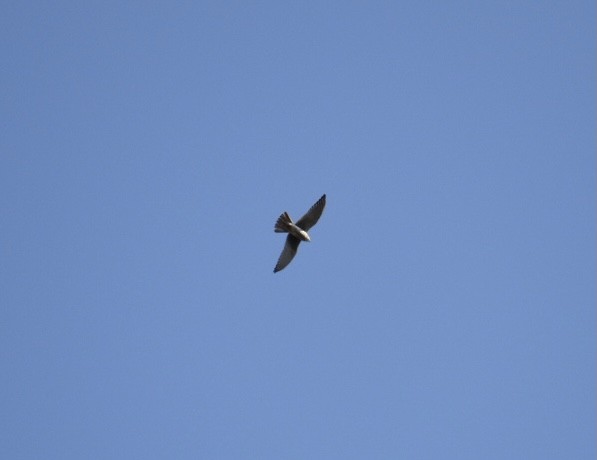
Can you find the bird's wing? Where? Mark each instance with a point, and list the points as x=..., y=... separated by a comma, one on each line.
x=288, y=252
x=312, y=216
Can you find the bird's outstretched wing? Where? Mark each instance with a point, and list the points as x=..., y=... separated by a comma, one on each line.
x=312, y=215
x=288, y=252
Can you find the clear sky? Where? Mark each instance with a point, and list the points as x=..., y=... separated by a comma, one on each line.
x=445, y=307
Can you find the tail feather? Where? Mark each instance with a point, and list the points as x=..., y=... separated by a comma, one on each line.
x=282, y=223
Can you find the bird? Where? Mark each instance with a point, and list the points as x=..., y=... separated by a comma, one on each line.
x=297, y=231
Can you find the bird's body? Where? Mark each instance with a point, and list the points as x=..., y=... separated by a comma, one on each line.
x=297, y=232
x=285, y=225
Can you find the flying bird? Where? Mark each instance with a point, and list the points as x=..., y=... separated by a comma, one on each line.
x=297, y=232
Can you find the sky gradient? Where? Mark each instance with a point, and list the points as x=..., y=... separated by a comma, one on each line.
x=445, y=307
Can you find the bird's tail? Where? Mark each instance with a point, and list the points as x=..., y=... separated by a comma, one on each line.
x=282, y=223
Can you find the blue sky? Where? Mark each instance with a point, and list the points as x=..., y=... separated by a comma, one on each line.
x=445, y=307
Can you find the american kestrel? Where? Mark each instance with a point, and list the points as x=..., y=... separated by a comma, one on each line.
x=297, y=232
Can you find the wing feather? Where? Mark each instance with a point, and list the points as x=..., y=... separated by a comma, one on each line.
x=288, y=253
x=312, y=215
